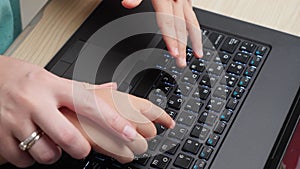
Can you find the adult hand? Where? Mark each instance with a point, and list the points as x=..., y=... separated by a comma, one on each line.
x=30, y=98
x=176, y=20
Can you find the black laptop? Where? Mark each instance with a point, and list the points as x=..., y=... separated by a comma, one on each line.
x=235, y=108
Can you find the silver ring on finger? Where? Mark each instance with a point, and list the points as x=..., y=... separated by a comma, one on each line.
x=31, y=140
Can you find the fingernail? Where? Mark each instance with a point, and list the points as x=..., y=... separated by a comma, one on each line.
x=173, y=124
x=129, y=132
x=199, y=53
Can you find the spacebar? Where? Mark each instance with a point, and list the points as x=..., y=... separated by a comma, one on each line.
x=146, y=83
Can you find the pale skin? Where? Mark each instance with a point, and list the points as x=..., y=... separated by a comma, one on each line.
x=31, y=98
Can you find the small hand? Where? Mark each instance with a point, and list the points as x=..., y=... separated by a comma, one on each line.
x=140, y=112
x=176, y=20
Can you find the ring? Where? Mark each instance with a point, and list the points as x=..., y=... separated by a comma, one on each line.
x=29, y=141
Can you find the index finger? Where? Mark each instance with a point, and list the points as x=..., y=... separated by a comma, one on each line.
x=153, y=112
x=165, y=21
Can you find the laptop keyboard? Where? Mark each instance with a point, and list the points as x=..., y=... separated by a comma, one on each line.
x=204, y=98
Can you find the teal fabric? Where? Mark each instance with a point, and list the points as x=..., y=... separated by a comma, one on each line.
x=10, y=23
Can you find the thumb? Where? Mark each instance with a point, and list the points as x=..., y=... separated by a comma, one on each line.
x=131, y=3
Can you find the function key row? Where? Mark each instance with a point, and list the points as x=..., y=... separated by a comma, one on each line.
x=231, y=44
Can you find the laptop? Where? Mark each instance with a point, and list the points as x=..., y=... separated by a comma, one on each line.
x=236, y=108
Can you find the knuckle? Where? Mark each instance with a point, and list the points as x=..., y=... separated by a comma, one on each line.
x=24, y=163
x=114, y=119
x=48, y=157
x=37, y=75
x=148, y=106
x=67, y=138
x=168, y=22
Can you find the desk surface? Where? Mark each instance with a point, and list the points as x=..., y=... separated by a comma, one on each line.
x=61, y=18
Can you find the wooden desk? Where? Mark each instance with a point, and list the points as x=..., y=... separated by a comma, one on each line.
x=61, y=18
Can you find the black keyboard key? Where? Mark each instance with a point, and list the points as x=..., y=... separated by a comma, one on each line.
x=160, y=161
x=215, y=105
x=205, y=32
x=198, y=65
x=232, y=104
x=247, y=47
x=208, y=54
x=216, y=39
x=153, y=143
x=189, y=54
x=183, y=89
x=193, y=105
x=169, y=146
x=235, y=68
x=201, y=93
x=230, y=44
x=190, y=78
x=146, y=82
x=261, y=51
x=207, y=118
x=222, y=58
x=244, y=82
x=158, y=100
x=208, y=80
x=222, y=92
x=216, y=69
x=206, y=153
x=250, y=71
x=142, y=159
x=220, y=127
x=199, y=164
x=242, y=58
x=226, y=115
x=229, y=80
x=92, y=165
x=191, y=146
x=175, y=102
x=175, y=69
x=164, y=87
x=183, y=161
x=178, y=132
x=212, y=140
x=238, y=92
x=186, y=118
x=159, y=128
x=167, y=78
x=163, y=61
x=157, y=92
x=172, y=113
x=255, y=61
x=200, y=132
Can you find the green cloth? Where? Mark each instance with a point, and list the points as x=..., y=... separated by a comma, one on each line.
x=10, y=23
